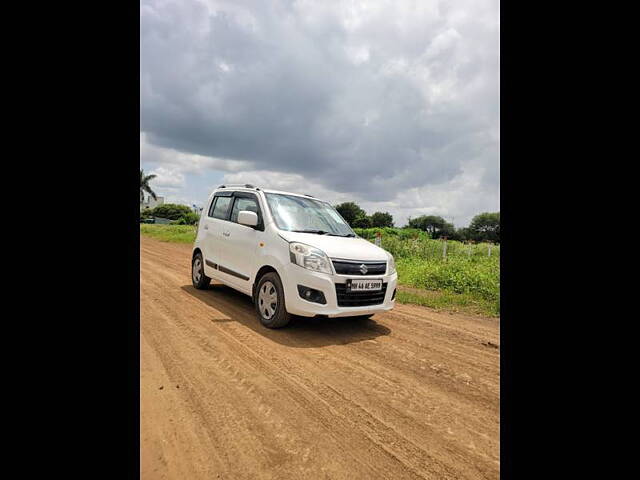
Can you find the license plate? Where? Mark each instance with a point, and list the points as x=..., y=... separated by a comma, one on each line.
x=361, y=285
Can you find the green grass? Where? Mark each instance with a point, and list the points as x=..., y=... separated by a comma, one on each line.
x=478, y=277
x=423, y=247
x=468, y=277
x=170, y=233
x=447, y=301
x=466, y=280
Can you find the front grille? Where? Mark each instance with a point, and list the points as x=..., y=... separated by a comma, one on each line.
x=359, y=299
x=353, y=268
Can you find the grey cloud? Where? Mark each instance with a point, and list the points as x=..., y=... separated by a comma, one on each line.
x=277, y=85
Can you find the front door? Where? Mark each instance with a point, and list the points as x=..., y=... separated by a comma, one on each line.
x=242, y=242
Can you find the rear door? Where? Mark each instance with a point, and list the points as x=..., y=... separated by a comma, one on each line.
x=213, y=238
x=242, y=242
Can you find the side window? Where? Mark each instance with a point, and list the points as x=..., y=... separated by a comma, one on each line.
x=220, y=207
x=244, y=203
x=213, y=202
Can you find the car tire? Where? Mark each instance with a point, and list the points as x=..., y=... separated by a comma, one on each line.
x=198, y=278
x=269, y=302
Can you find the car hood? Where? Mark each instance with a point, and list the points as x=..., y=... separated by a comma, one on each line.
x=347, y=248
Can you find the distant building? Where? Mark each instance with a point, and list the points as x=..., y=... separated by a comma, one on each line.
x=151, y=203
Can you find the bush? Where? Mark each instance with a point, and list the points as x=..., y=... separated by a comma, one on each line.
x=467, y=269
x=190, y=218
x=145, y=214
x=170, y=211
x=477, y=275
x=402, y=233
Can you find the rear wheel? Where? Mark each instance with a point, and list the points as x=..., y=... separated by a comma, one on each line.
x=198, y=278
x=269, y=300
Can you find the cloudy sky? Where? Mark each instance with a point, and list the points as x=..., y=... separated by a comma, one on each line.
x=392, y=104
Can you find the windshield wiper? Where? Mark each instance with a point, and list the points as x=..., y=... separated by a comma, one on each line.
x=319, y=232
x=322, y=232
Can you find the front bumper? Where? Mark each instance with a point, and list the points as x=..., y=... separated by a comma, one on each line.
x=296, y=275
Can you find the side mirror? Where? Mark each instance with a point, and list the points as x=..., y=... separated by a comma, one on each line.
x=250, y=219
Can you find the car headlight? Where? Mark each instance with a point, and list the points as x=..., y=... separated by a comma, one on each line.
x=309, y=257
x=392, y=265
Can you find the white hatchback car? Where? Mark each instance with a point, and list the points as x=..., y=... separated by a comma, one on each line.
x=293, y=254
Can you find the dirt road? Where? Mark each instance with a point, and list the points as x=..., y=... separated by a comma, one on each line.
x=409, y=394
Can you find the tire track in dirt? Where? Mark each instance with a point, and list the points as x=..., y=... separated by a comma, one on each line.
x=299, y=394
x=409, y=394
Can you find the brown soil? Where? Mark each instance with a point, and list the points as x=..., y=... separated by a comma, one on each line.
x=408, y=394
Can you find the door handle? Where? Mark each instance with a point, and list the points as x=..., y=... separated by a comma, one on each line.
x=226, y=234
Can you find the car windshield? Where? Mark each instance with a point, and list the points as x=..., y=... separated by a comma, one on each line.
x=302, y=214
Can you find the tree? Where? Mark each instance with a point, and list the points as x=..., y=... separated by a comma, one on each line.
x=170, y=211
x=485, y=227
x=436, y=226
x=350, y=211
x=464, y=234
x=381, y=219
x=362, y=222
x=144, y=185
x=429, y=223
x=449, y=231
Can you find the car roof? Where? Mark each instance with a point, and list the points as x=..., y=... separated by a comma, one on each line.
x=266, y=190
x=287, y=193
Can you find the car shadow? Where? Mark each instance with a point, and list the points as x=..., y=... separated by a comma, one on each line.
x=302, y=332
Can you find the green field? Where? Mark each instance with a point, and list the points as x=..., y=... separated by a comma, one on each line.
x=170, y=233
x=467, y=280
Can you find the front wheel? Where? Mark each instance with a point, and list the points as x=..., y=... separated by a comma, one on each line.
x=198, y=278
x=269, y=301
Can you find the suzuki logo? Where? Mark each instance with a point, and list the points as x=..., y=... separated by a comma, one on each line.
x=363, y=269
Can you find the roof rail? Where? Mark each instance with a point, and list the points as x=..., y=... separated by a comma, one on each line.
x=245, y=185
